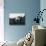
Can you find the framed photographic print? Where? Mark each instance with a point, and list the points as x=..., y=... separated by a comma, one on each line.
x=17, y=19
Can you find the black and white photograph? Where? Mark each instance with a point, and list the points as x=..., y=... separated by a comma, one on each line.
x=17, y=19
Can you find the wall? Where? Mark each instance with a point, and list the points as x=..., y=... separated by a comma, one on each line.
x=1, y=20
x=29, y=7
x=43, y=6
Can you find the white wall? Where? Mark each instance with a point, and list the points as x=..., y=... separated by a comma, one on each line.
x=1, y=21
x=43, y=6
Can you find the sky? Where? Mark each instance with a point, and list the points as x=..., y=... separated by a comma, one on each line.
x=15, y=15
